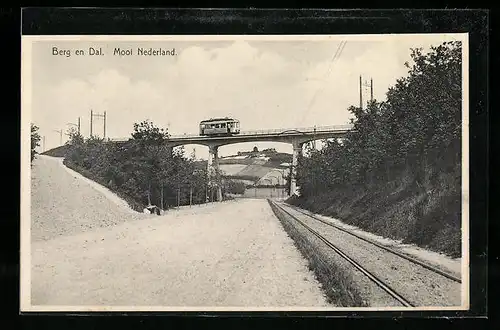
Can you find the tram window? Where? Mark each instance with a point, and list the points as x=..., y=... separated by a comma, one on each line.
x=217, y=126
x=223, y=125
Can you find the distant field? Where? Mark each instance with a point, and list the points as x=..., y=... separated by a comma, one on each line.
x=231, y=169
x=245, y=161
x=254, y=170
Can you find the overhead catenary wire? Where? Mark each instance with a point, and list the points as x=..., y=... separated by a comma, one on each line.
x=336, y=56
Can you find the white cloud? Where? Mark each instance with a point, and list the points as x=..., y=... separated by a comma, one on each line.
x=263, y=89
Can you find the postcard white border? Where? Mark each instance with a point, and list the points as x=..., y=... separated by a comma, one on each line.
x=26, y=102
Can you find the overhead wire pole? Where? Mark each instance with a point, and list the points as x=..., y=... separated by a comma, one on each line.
x=77, y=125
x=360, y=92
x=371, y=89
x=98, y=115
x=104, y=124
x=366, y=85
x=60, y=135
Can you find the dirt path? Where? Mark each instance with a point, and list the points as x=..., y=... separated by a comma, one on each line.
x=232, y=254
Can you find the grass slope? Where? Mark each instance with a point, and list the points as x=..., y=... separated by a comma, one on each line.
x=398, y=211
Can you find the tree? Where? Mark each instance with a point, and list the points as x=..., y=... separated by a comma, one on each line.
x=416, y=130
x=35, y=140
x=402, y=150
x=150, y=146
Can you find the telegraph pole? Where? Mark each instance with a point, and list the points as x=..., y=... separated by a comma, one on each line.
x=92, y=115
x=105, y=124
x=360, y=92
x=78, y=125
x=314, y=141
x=60, y=135
x=371, y=89
x=361, y=85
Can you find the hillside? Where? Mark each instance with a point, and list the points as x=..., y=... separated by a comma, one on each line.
x=56, y=152
x=254, y=167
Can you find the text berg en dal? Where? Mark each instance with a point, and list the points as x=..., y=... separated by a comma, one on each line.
x=92, y=51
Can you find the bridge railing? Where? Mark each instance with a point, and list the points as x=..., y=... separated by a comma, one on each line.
x=317, y=129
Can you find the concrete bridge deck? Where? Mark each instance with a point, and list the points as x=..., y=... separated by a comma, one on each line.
x=294, y=136
x=287, y=135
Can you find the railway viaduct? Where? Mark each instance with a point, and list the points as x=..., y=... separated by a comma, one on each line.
x=294, y=136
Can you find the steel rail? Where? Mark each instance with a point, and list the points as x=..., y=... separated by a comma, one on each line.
x=371, y=276
x=399, y=254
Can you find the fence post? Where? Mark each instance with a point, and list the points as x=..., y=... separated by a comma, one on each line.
x=190, y=196
x=162, y=197
x=178, y=197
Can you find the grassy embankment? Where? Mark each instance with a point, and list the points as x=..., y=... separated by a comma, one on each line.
x=430, y=219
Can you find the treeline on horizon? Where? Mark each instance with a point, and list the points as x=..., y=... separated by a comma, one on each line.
x=398, y=172
x=143, y=168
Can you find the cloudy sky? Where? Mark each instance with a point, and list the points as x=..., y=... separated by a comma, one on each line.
x=264, y=83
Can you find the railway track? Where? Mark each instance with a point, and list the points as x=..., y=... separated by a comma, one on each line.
x=388, y=249
x=393, y=288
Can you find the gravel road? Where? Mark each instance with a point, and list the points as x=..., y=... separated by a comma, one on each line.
x=89, y=251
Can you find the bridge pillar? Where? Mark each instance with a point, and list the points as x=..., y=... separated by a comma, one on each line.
x=213, y=172
x=297, y=150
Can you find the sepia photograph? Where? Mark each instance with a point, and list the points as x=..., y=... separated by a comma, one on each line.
x=245, y=173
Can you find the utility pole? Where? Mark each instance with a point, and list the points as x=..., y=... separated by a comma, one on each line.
x=92, y=115
x=60, y=135
x=314, y=141
x=105, y=124
x=360, y=92
x=371, y=88
x=361, y=85
x=78, y=125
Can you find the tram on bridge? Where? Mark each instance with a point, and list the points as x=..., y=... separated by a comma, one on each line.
x=219, y=127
